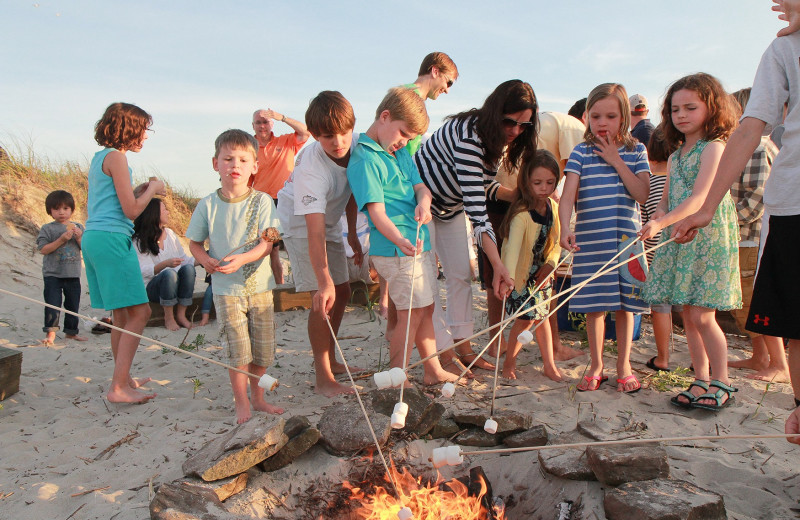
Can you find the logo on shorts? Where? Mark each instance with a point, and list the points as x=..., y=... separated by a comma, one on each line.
x=764, y=321
x=308, y=199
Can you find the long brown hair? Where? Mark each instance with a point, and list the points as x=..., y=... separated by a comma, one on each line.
x=721, y=119
x=525, y=199
x=509, y=97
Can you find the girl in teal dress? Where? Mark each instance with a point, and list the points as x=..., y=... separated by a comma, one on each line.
x=702, y=275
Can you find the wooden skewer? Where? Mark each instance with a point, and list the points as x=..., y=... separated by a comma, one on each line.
x=410, y=306
x=155, y=341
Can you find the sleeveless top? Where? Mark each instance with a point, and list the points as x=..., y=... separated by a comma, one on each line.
x=105, y=211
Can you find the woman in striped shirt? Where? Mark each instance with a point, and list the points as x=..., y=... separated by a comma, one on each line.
x=458, y=164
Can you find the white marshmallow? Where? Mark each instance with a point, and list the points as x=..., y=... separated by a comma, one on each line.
x=439, y=457
x=454, y=457
x=382, y=380
x=525, y=337
x=490, y=426
x=268, y=382
x=401, y=408
x=398, y=376
x=405, y=514
x=398, y=421
x=448, y=390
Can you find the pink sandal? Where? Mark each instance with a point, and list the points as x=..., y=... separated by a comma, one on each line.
x=600, y=380
x=625, y=380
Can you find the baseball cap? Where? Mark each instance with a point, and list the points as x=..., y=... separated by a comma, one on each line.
x=638, y=103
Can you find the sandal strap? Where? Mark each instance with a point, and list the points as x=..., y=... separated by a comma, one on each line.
x=722, y=386
x=699, y=383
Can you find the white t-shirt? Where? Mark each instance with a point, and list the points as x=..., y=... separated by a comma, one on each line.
x=172, y=249
x=317, y=185
x=777, y=82
x=231, y=223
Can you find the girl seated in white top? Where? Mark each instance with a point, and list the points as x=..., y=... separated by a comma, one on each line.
x=167, y=270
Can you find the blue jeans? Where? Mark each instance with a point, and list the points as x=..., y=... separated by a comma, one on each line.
x=208, y=300
x=53, y=287
x=170, y=286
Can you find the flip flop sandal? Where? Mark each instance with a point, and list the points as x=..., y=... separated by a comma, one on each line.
x=627, y=379
x=722, y=390
x=651, y=364
x=600, y=380
x=689, y=395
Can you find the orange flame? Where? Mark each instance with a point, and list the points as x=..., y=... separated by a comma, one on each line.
x=426, y=501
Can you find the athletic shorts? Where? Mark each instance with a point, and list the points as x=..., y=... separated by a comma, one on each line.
x=303, y=274
x=112, y=270
x=775, y=306
x=396, y=270
x=247, y=324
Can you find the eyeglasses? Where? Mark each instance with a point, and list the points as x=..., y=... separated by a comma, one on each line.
x=511, y=123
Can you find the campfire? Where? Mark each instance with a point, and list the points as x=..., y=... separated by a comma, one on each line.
x=466, y=498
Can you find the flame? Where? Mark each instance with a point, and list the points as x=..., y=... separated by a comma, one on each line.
x=426, y=501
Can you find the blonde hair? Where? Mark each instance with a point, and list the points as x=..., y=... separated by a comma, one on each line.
x=616, y=91
x=237, y=140
x=405, y=105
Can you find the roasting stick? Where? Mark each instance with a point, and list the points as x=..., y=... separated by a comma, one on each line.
x=265, y=379
x=487, y=329
x=364, y=410
x=455, y=452
x=491, y=425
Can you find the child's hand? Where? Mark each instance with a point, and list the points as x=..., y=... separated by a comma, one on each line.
x=210, y=265
x=542, y=274
x=158, y=186
x=233, y=265
x=650, y=229
x=67, y=235
x=408, y=248
x=568, y=242
x=324, y=298
x=173, y=262
x=355, y=245
x=76, y=232
x=607, y=149
x=422, y=214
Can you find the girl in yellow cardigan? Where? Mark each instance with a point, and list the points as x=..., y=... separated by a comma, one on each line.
x=530, y=253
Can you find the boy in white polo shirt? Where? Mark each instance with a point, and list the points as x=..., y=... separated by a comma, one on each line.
x=310, y=205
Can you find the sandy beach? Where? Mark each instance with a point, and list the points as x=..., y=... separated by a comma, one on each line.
x=55, y=430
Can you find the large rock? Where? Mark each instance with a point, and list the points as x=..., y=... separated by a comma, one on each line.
x=445, y=428
x=238, y=450
x=567, y=462
x=536, y=436
x=423, y=412
x=344, y=431
x=663, y=500
x=182, y=501
x=508, y=421
x=615, y=465
x=476, y=437
x=302, y=436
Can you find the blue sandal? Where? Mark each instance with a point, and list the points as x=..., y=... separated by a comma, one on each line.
x=722, y=390
x=689, y=395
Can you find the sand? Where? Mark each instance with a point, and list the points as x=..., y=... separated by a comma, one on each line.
x=54, y=430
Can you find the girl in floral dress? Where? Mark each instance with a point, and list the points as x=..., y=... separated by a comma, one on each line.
x=703, y=275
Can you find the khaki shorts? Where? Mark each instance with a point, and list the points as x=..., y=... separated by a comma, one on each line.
x=748, y=260
x=247, y=325
x=303, y=274
x=397, y=272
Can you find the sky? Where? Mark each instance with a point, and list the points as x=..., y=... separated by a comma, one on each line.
x=202, y=67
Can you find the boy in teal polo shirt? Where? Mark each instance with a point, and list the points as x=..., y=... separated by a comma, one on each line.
x=387, y=185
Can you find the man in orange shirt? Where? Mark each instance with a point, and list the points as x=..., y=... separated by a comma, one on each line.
x=275, y=162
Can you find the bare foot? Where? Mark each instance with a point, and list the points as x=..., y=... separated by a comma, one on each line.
x=264, y=406
x=76, y=337
x=338, y=368
x=455, y=366
x=509, y=372
x=333, y=389
x=171, y=324
x=183, y=322
x=771, y=375
x=128, y=395
x=439, y=376
x=203, y=320
x=136, y=383
x=480, y=363
x=492, y=352
x=565, y=353
x=50, y=339
x=750, y=364
x=242, y=411
x=553, y=374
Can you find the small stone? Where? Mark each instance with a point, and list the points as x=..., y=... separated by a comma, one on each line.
x=615, y=465
x=508, y=421
x=663, y=500
x=445, y=428
x=344, y=431
x=384, y=401
x=183, y=501
x=568, y=463
x=536, y=436
x=476, y=437
x=296, y=446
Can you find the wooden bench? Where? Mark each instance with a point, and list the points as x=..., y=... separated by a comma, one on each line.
x=10, y=369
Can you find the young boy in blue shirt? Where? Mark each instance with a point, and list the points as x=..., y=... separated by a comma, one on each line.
x=386, y=183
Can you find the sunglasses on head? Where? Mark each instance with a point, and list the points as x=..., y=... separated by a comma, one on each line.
x=510, y=123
